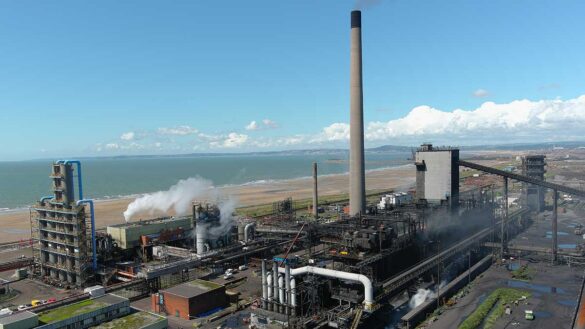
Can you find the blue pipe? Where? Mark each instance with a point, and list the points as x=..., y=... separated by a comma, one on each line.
x=79, y=180
x=93, y=247
x=48, y=197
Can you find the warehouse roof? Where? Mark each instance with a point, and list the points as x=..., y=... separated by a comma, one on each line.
x=193, y=288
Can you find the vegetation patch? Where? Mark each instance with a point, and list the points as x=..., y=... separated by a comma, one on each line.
x=496, y=301
x=65, y=312
x=522, y=273
x=133, y=321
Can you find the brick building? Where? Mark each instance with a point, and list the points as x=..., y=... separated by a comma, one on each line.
x=190, y=299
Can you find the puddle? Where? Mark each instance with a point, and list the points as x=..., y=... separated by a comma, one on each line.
x=549, y=233
x=568, y=302
x=542, y=314
x=536, y=287
x=568, y=245
x=513, y=266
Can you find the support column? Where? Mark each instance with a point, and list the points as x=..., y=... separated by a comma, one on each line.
x=264, y=285
x=554, y=226
x=505, y=217
x=275, y=286
x=287, y=287
x=315, y=193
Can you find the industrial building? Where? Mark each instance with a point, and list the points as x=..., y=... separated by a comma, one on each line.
x=437, y=175
x=20, y=320
x=533, y=166
x=61, y=231
x=190, y=299
x=313, y=270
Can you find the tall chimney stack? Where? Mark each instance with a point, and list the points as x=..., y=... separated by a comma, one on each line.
x=357, y=184
x=315, y=195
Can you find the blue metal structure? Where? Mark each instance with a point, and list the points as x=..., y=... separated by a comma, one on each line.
x=79, y=178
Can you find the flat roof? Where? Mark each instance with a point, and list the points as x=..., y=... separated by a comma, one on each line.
x=146, y=222
x=193, y=288
x=16, y=317
x=85, y=306
x=135, y=320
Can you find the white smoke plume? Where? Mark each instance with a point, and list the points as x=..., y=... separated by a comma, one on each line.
x=178, y=197
x=421, y=296
x=226, y=218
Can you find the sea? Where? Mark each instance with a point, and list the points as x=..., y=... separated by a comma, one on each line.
x=24, y=182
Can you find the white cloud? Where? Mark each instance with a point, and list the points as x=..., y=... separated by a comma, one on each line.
x=177, y=131
x=269, y=123
x=252, y=126
x=508, y=122
x=235, y=140
x=128, y=136
x=265, y=124
x=334, y=132
x=480, y=93
x=112, y=146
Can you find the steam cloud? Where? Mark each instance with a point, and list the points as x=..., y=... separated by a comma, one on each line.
x=423, y=295
x=178, y=197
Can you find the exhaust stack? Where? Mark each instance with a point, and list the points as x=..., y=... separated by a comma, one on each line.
x=357, y=184
x=315, y=192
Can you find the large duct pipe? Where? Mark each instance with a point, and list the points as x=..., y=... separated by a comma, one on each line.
x=287, y=287
x=315, y=194
x=357, y=185
x=264, y=286
x=364, y=280
x=247, y=231
x=269, y=290
x=293, y=293
x=281, y=290
x=275, y=284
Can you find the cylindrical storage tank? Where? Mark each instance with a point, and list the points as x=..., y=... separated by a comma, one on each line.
x=293, y=292
x=281, y=289
x=269, y=283
x=200, y=236
x=241, y=232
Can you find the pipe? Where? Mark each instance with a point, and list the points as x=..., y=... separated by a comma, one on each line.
x=275, y=281
x=79, y=179
x=247, y=234
x=93, y=247
x=293, y=295
x=357, y=185
x=555, y=244
x=287, y=286
x=264, y=290
x=43, y=199
x=269, y=290
x=315, y=194
x=364, y=280
x=281, y=289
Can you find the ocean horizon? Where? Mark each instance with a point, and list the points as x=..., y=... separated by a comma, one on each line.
x=24, y=182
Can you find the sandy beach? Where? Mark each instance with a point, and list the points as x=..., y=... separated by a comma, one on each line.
x=16, y=224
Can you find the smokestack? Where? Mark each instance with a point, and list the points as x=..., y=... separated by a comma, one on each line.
x=315, y=195
x=357, y=184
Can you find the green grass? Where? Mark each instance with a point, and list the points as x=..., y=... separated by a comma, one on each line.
x=65, y=312
x=496, y=301
x=133, y=321
x=522, y=273
x=204, y=284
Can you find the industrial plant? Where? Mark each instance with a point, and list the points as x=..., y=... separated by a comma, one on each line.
x=339, y=265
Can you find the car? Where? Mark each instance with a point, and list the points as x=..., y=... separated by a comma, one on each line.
x=243, y=268
x=24, y=307
x=228, y=276
x=51, y=300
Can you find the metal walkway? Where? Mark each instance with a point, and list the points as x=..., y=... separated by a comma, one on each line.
x=522, y=178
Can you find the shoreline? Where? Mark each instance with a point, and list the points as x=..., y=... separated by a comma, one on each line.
x=106, y=199
x=15, y=224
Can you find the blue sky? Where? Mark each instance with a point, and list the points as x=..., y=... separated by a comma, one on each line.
x=139, y=77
